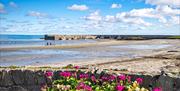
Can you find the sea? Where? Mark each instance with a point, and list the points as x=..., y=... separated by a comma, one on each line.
x=34, y=40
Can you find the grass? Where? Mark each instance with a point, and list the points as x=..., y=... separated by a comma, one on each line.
x=174, y=37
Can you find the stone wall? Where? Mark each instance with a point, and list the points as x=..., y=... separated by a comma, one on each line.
x=27, y=80
x=117, y=37
x=68, y=37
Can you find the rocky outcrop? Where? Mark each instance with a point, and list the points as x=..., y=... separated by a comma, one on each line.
x=28, y=80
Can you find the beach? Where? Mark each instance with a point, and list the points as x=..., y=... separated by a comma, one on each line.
x=134, y=56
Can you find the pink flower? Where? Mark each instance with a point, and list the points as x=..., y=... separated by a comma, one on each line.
x=122, y=77
x=49, y=74
x=112, y=77
x=104, y=78
x=88, y=88
x=119, y=88
x=157, y=89
x=83, y=86
x=128, y=78
x=139, y=80
x=65, y=74
x=76, y=67
x=93, y=78
x=84, y=76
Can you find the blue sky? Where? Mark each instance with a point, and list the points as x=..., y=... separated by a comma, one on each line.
x=155, y=17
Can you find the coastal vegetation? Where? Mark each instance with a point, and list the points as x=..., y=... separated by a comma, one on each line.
x=174, y=37
x=78, y=80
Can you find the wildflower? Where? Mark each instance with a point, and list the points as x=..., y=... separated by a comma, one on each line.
x=128, y=78
x=135, y=84
x=65, y=74
x=129, y=89
x=137, y=89
x=139, y=80
x=80, y=86
x=49, y=74
x=83, y=86
x=88, y=88
x=143, y=89
x=84, y=76
x=104, y=78
x=112, y=77
x=76, y=67
x=93, y=78
x=157, y=89
x=122, y=77
x=119, y=88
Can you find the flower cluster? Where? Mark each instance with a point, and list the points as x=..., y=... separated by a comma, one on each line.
x=83, y=86
x=49, y=74
x=80, y=81
x=65, y=74
x=84, y=76
x=157, y=89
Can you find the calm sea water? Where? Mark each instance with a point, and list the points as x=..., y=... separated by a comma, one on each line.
x=34, y=40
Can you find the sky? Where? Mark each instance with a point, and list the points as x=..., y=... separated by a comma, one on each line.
x=121, y=17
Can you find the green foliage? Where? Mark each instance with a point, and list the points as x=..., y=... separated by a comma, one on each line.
x=69, y=66
x=174, y=37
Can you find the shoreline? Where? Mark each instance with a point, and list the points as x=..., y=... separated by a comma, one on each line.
x=68, y=46
x=153, y=60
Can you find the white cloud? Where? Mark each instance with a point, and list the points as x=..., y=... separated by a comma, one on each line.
x=175, y=20
x=78, y=7
x=114, y=5
x=36, y=14
x=13, y=4
x=123, y=17
x=172, y=3
x=110, y=18
x=166, y=10
x=146, y=12
x=95, y=16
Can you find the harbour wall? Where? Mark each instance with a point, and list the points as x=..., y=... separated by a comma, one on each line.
x=117, y=37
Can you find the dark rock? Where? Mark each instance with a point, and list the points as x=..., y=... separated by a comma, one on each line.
x=177, y=84
x=147, y=82
x=17, y=88
x=29, y=78
x=17, y=76
x=40, y=78
x=166, y=83
x=33, y=88
x=3, y=89
x=5, y=78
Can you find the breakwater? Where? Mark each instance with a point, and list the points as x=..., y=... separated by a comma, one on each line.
x=28, y=80
x=117, y=37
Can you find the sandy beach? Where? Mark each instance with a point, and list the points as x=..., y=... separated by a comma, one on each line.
x=143, y=56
